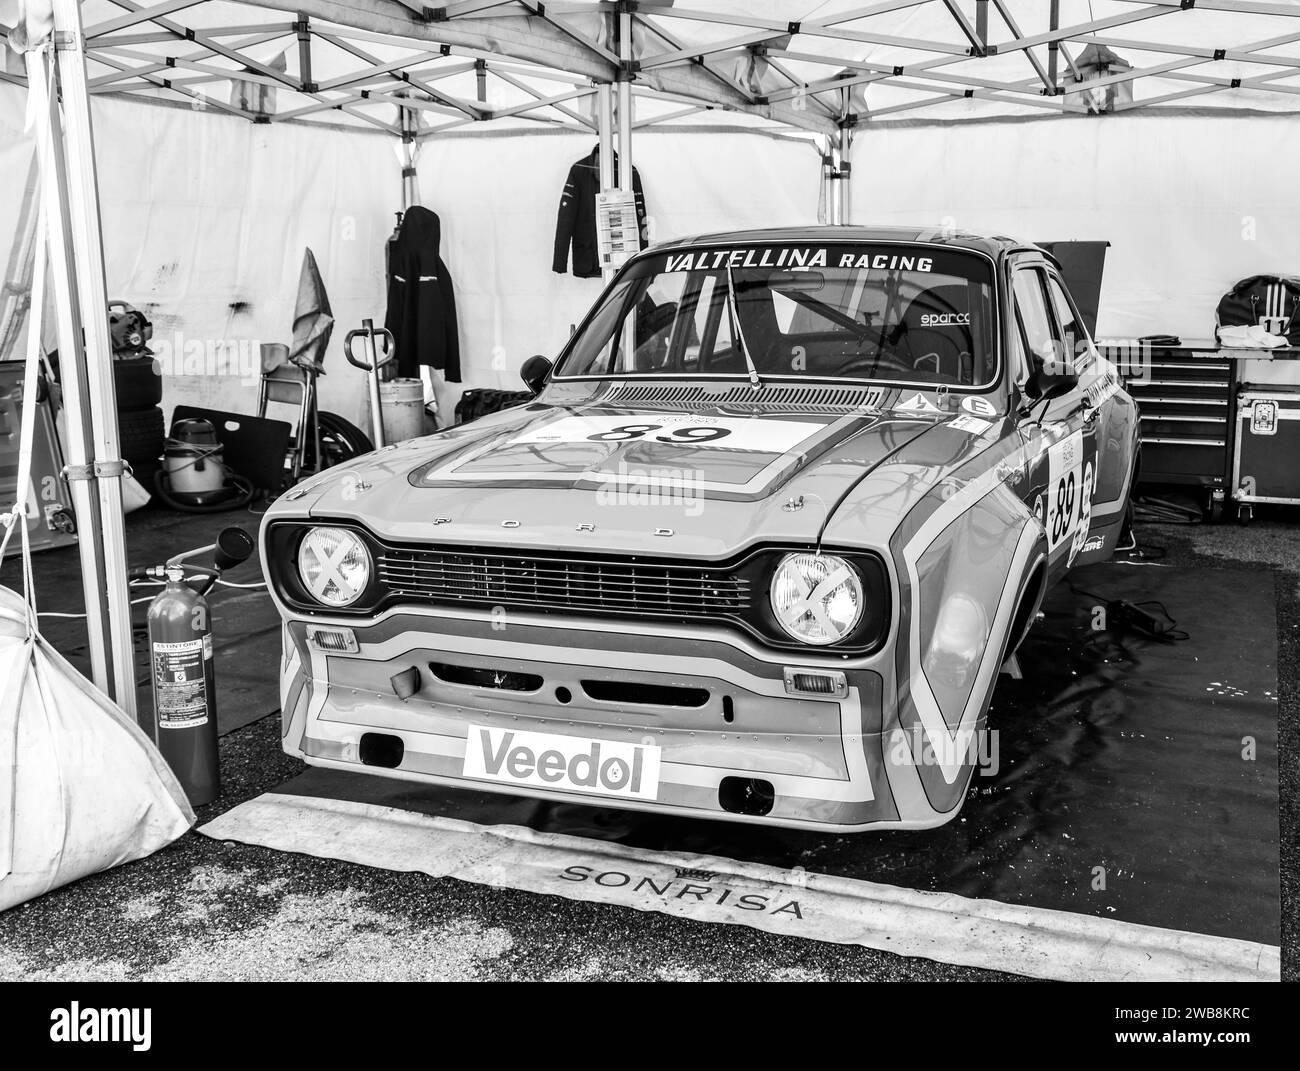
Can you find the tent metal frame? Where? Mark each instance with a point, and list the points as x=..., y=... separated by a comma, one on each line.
x=514, y=40
x=513, y=44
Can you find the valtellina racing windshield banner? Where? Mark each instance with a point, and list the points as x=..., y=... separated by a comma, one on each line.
x=875, y=312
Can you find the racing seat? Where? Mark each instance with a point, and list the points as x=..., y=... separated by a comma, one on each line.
x=933, y=338
x=653, y=324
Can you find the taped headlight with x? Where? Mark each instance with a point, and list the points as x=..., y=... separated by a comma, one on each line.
x=334, y=565
x=817, y=598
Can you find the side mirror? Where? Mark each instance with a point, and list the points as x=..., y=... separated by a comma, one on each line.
x=1044, y=385
x=534, y=372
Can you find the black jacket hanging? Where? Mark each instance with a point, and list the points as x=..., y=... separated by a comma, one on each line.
x=421, y=299
x=577, y=219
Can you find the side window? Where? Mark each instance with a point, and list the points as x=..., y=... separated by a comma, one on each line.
x=1072, y=330
x=610, y=359
x=1039, y=331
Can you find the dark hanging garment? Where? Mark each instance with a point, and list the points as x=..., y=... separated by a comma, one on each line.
x=576, y=222
x=422, y=299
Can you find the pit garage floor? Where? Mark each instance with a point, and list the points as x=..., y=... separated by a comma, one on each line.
x=1120, y=759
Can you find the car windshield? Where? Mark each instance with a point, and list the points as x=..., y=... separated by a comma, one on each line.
x=874, y=311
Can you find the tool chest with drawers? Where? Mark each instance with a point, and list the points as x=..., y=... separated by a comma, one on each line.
x=1199, y=401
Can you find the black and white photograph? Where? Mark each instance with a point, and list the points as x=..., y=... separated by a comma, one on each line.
x=629, y=491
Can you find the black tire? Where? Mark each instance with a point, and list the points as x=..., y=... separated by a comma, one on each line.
x=141, y=435
x=339, y=441
x=138, y=382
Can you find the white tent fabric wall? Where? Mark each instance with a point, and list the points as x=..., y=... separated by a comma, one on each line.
x=498, y=196
x=17, y=226
x=205, y=217
x=1190, y=203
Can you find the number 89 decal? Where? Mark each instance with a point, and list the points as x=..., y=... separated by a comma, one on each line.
x=1066, y=509
x=692, y=434
x=752, y=434
x=1063, y=511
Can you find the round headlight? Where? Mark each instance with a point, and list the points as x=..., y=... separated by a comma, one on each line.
x=334, y=565
x=817, y=598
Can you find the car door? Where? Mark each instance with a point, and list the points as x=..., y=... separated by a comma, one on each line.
x=1060, y=434
x=1112, y=420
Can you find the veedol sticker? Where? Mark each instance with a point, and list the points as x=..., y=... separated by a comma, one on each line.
x=567, y=763
x=755, y=435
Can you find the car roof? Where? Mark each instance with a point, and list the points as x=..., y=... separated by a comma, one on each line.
x=993, y=245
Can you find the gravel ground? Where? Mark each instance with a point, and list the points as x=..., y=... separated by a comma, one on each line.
x=206, y=910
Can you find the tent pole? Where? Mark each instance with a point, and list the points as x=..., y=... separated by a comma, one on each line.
x=15, y=290
x=97, y=353
x=843, y=170
x=303, y=29
x=410, y=148
x=835, y=172
x=605, y=129
x=824, y=179
x=1053, y=47
x=625, y=102
x=85, y=506
x=625, y=146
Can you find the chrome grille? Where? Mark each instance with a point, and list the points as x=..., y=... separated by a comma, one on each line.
x=633, y=588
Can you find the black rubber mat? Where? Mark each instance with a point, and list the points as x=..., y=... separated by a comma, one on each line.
x=245, y=623
x=1136, y=780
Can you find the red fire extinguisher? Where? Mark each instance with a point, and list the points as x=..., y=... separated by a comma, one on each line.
x=184, y=681
x=184, y=687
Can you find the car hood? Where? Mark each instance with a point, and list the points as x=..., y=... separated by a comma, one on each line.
x=667, y=470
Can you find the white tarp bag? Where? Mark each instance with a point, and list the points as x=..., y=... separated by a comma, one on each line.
x=81, y=787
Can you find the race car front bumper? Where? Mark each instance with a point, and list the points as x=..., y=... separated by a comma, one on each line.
x=699, y=723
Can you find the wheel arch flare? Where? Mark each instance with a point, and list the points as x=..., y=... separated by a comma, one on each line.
x=969, y=559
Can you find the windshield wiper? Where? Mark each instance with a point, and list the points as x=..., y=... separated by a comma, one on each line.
x=754, y=381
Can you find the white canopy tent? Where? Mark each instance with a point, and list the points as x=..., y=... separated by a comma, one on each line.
x=229, y=136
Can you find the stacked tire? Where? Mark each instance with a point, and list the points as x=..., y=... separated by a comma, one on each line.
x=140, y=427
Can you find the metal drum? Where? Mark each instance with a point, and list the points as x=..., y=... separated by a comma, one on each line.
x=402, y=403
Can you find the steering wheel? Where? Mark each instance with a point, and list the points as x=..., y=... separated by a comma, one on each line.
x=876, y=362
